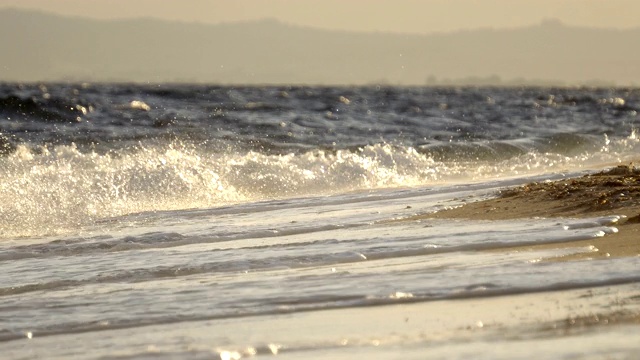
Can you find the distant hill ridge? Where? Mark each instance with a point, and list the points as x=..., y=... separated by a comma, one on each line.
x=38, y=46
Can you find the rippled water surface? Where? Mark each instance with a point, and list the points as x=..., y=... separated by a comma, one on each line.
x=164, y=221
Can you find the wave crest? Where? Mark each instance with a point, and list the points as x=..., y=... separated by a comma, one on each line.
x=54, y=189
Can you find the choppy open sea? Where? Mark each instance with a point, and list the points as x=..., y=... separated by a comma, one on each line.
x=179, y=221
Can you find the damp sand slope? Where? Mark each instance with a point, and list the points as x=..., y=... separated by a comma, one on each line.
x=611, y=192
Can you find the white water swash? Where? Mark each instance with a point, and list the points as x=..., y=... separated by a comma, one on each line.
x=172, y=252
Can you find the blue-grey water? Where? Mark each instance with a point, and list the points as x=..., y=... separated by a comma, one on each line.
x=126, y=209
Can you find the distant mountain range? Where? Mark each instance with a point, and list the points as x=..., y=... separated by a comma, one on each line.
x=37, y=46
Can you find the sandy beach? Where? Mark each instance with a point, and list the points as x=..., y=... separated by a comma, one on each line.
x=615, y=191
x=596, y=323
x=557, y=315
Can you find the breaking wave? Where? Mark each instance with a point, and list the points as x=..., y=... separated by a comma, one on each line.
x=58, y=188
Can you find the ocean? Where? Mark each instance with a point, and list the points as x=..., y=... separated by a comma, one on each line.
x=192, y=221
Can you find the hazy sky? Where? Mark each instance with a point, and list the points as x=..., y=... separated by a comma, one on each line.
x=415, y=16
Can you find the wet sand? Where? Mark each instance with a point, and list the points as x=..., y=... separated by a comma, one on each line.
x=555, y=324
x=615, y=191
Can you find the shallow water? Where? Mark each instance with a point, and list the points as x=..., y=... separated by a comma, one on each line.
x=284, y=257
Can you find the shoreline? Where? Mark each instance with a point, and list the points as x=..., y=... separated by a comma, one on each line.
x=482, y=325
x=615, y=191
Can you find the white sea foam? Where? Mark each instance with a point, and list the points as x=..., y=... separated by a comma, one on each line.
x=56, y=188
